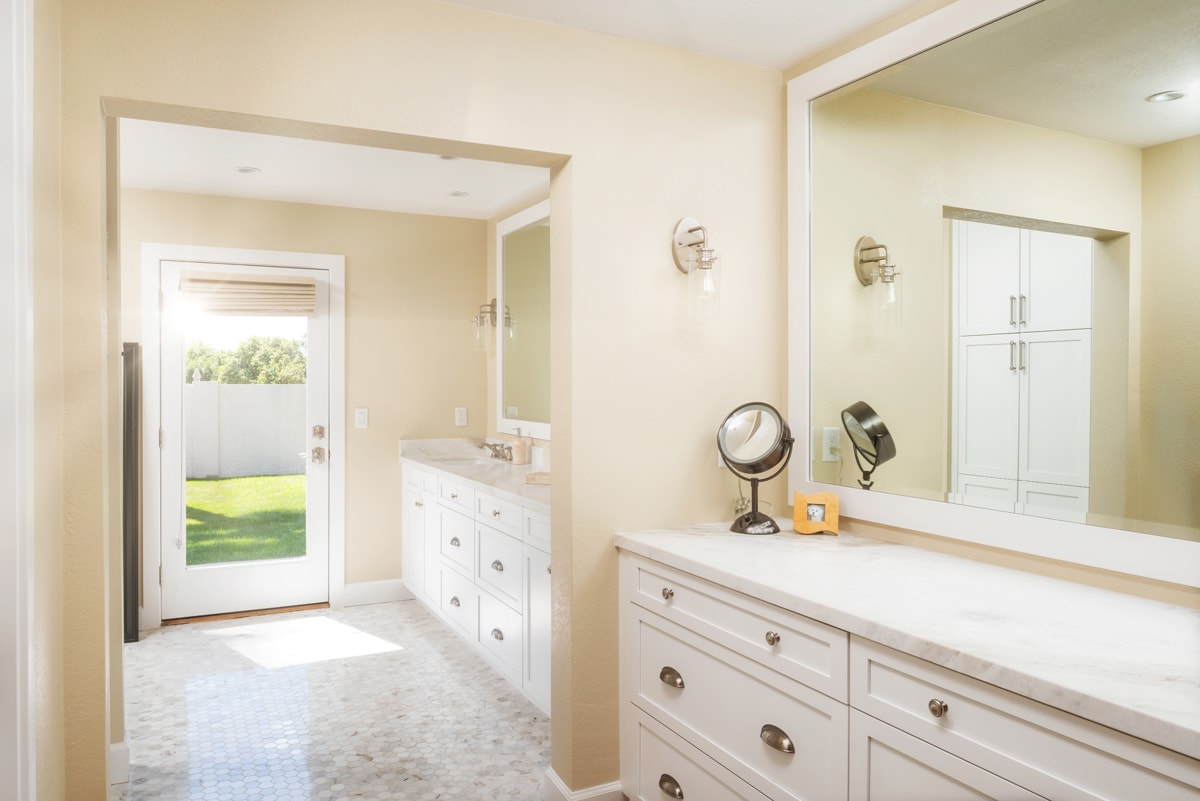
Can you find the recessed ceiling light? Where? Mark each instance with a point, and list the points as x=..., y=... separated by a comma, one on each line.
x=444, y=157
x=1165, y=97
x=247, y=170
x=459, y=193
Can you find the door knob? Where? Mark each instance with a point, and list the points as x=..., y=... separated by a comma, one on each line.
x=318, y=456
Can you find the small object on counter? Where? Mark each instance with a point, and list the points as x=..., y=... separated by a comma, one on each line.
x=816, y=513
x=520, y=451
x=542, y=478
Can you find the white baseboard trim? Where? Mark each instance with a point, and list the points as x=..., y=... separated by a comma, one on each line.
x=555, y=790
x=118, y=762
x=362, y=593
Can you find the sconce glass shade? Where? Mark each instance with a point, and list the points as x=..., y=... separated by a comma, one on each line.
x=873, y=270
x=478, y=334
x=873, y=443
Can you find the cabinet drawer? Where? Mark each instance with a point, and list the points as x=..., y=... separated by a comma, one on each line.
x=810, y=652
x=457, y=539
x=1048, y=751
x=500, y=635
x=458, y=601
x=665, y=762
x=498, y=514
x=419, y=480
x=536, y=531
x=733, y=708
x=456, y=495
x=498, y=564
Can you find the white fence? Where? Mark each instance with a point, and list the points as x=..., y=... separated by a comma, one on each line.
x=244, y=429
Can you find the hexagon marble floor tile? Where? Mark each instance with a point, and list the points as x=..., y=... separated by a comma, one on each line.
x=368, y=703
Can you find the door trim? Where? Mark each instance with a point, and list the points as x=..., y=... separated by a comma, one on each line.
x=150, y=612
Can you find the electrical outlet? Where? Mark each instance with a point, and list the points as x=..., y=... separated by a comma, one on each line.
x=831, y=444
x=460, y=416
x=360, y=418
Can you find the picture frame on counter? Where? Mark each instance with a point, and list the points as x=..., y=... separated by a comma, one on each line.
x=816, y=513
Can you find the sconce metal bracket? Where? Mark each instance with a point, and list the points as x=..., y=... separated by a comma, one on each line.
x=690, y=236
x=868, y=258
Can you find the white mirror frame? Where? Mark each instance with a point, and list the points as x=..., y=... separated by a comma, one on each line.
x=1131, y=553
x=510, y=425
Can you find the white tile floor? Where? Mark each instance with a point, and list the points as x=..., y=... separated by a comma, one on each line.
x=371, y=703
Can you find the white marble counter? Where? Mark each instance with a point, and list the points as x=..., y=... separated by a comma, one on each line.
x=465, y=459
x=1128, y=663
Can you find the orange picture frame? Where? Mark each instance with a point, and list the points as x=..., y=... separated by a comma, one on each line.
x=816, y=513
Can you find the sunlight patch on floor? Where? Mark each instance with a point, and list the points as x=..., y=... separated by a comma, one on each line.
x=301, y=641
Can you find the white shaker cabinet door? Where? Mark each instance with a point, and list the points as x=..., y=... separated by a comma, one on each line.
x=987, y=419
x=988, y=276
x=1056, y=282
x=1055, y=370
x=536, y=681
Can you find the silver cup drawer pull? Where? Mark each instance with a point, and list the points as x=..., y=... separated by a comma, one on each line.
x=669, y=786
x=670, y=677
x=777, y=738
x=497, y=634
x=937, y=708
x=454, y=601
x=454, y=542
x=498, y=566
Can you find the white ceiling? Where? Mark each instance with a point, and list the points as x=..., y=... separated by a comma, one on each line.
x=1035, y=80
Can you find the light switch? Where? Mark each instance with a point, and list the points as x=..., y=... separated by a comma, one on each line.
x=360, y=418
x=460, y=416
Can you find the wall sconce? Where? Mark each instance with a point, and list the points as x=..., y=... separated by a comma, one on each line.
x=485, y=316
x=872, y=268
x=696, y=258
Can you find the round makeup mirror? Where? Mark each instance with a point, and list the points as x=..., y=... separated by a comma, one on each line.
x=873, y=443
x=755, y=443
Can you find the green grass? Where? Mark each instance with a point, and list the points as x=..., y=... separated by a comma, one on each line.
x=241, y=519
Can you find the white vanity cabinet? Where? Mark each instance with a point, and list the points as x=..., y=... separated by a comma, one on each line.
x=726, y=696
x=476, y=561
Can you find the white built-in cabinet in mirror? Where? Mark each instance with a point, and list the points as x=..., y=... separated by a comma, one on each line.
x=523, y=339
x=1108, y=404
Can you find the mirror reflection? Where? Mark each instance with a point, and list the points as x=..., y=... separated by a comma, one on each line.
x=523, y=266
x=1033, y=197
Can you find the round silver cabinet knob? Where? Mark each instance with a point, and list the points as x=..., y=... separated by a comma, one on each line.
x=773, y=638
x=937, y=708
x=668, y=593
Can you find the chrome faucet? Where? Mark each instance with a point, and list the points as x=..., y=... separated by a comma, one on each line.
x=499, y=450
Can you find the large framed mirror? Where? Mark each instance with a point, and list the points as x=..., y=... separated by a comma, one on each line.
x=523, y=338
x=989, y=138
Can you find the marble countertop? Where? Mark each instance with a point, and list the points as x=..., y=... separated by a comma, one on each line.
x=1125, y=662
x=465, y=459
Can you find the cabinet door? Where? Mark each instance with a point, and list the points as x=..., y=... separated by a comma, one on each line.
x=986, y=406
x=887, y=764
x=412, y=542
x=536, y=681
x=987, y=272
x=1056, y=282
x=1056, y=370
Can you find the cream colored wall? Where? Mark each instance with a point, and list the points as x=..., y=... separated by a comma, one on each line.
x=1170, y=434
x=631, y=374
x=412, y=282
x=886, y=167
x=48, y=586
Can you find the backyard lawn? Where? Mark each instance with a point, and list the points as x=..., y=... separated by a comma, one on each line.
x=240, y=519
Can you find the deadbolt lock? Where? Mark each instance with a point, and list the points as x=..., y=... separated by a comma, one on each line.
x=318, y=432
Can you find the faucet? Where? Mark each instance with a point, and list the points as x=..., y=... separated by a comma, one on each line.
x=499, y=450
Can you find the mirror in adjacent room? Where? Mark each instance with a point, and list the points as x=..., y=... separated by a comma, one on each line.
x=1028, y=169
x=523, y=344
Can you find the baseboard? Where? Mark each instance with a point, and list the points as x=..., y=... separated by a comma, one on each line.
x=118, y=762
x=553, y=789
x=362, y=593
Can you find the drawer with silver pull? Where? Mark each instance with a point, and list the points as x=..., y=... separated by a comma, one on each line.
x=499, y=514
x=498, y=564
x=458, y=601
x=669, y=768
x=456, y=495
x=796, y=646
x=456, y=539
x=500, y=634
x=1046, y=750
x=783, y=738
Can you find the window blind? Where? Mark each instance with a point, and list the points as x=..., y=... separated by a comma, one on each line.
x=256, y=295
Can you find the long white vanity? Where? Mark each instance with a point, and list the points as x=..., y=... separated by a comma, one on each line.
x=818, y=667
x=476, y=551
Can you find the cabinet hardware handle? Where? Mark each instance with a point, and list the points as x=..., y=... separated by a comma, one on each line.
x=668, y=593
x=670, y=677
x=777, y=738
x=498, y=566
x=1012, y=309
x=547, y=568
x=668, y=785
x=1012, y=356
x=937, y=708
x=454, y=541
x=1024, y=308
x=497, y=634
x=495, y=513
x=454, y=496
x=454, y=601
x=420, y=504
x=1022, y=354
x=773, y=638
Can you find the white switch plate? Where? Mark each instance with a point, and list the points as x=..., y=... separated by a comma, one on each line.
x=460, y=416
x=360, y=418
x=831, y=444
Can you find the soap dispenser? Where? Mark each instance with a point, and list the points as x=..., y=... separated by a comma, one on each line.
x=520, y=449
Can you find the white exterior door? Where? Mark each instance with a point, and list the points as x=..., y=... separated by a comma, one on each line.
x=196, y=581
